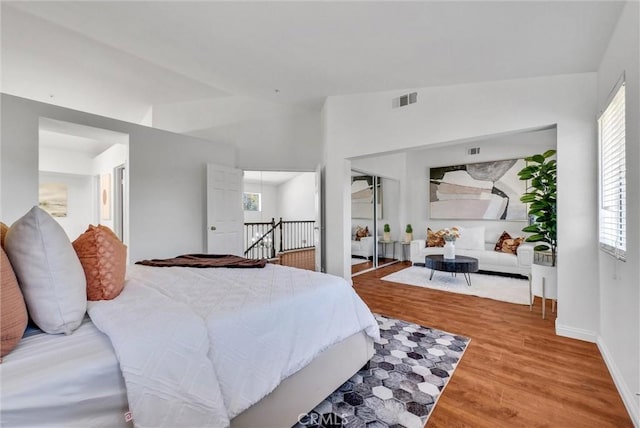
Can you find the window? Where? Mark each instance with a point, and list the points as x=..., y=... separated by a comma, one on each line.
x=251, y=201
x=613, y=206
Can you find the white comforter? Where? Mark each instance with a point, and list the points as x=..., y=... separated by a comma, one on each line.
x=199, y=346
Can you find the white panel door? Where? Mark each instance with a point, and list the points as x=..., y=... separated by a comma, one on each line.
x=224, y=210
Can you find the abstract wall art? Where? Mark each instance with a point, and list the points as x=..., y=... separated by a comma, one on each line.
x=478, y=191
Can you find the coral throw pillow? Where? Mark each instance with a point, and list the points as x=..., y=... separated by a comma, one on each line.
x=505, y=235
x=13, y=311
x=104, y=260
x=3, y=232
x=435, y=239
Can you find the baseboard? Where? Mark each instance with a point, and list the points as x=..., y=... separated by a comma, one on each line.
x=628, y=397
x=576, y=333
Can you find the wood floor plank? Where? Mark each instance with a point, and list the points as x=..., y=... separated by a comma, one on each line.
x=516, y=372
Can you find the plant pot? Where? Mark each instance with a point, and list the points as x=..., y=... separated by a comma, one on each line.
x=544, y=283
x=548, y=275
x=449, y=250
x=386, y=236
x=408, y=237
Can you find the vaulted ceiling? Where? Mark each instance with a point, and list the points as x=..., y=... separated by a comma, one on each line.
x=137, y=54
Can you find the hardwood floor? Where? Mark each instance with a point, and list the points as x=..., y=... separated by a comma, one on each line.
x=516, y=372
x=303, y=259
x=360, y=267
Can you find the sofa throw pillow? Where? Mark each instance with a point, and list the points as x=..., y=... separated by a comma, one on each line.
x=3, y=232
x=362, y=232
x=435, y=239
x=104, y=260
x=511, y=245
x=48, y=271
x=505, y=235
x=471, y=238
x=13, y=311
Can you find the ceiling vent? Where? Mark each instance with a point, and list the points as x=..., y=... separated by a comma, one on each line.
x=405, y=100
x=473, y=151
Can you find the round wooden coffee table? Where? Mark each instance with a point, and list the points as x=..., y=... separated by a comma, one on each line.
x=461, y=264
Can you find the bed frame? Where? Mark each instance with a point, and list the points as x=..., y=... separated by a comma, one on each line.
x=301, y=392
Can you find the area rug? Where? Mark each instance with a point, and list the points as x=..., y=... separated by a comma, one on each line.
x=503, y=288
x=406, y=376
x=357, y=261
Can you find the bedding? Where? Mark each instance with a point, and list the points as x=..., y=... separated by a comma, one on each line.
x=63, y=380
x=199, y=346
x=206, y=261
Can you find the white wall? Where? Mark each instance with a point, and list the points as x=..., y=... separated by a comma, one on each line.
x=356, y=125
x=269, y=203
x=80, y=191
x=619, y=338
x=167, y=180
x=491, y=149
x=65, y=161
x=268, y=136
x=296, y=198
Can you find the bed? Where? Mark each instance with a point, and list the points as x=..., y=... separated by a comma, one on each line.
x=193, y=347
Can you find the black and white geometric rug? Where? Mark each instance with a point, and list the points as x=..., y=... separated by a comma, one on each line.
x=407, y=374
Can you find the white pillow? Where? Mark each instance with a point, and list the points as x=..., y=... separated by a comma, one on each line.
x=49, y=272
x=471, y=238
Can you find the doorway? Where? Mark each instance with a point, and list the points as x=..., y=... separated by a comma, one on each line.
x=83, y=176
x=119, y=199
x=281, y=217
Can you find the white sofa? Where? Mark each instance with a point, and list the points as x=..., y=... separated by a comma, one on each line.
x=488, y=259
x=363, y=247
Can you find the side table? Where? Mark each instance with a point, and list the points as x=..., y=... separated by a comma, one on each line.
x=384, y=248
x=406, y=250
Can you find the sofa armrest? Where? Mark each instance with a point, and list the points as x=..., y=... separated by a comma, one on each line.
x=525, y=254
x=416, y=247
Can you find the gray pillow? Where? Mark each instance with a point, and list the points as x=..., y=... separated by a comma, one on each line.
x=48, y=271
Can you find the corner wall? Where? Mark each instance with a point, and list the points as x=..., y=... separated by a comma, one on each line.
x=296, y=197
x=619, y=339
x=167, y=176
x=357, y=125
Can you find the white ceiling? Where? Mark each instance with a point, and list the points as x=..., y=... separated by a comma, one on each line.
x=272, y=178
x=59, y=135
x=309, y=50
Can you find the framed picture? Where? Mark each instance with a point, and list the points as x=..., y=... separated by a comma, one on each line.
x=53, y=198
x=105, y=196
x=478, y=191
x=251, y=201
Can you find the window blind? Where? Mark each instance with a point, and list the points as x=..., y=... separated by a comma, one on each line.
x=613, y=193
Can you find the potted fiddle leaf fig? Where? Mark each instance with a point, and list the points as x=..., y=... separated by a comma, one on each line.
x=541, y=195
x=387, y=233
